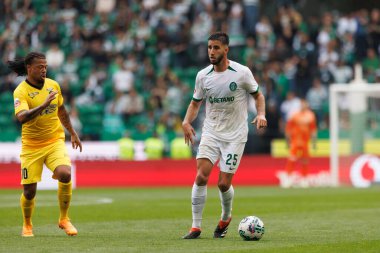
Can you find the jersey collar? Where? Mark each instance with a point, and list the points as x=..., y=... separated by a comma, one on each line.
x=229, y=68
x=34, y=86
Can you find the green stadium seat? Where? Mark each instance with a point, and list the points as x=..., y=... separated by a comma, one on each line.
x=6, y=98
x=9, y=134
x=113, y=127
x=92, y=118
x=108, y=89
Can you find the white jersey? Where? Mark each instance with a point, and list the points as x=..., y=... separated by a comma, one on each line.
x=226, y=94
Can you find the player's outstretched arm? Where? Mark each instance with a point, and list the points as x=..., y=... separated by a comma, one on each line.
x=191, y=115
x=260, y=120
x=26, y=115
x=66, y=122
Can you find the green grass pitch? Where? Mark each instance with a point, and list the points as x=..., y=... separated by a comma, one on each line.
x=154, y=219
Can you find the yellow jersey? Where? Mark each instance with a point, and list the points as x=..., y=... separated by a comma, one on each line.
x=46, y=127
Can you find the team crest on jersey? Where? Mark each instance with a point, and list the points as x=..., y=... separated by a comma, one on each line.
x=50, y=90
x=33, y=94
x=17, y=102
x=233, y=86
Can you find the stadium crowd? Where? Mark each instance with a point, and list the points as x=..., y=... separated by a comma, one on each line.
x=128, y=67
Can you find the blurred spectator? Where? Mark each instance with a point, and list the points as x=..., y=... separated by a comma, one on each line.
x=280, y=51
x=370, y=64
x=235, y=24
x=75, y=122
x=93, y=91
x=347, y=24
x=172, y=102
x=117, y=104
x=303, y=78
x=289, y=106
x=342, y=73
x=134, y=104
x=347, y=50
x=55, y=56
x=303, y=47
x=154, y=147
x=105, y=6
x=100, y=50
x=69, y=69
x=52, y=35
x=250, y=53
x=326, y=33
x=317, y=97
x=328, y=58
x=123, y=78
x=374, y=30
x=179, y=149
x=273, y=130
x=251, y=14
x=67, y=95
x=361, y=42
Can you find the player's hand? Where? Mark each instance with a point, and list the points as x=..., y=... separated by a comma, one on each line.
x=260, y=121
x=75, y=142
x=50, y=98
x=189, y=133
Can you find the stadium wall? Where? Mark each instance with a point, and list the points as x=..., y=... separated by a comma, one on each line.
x=99, y=166
x=253, y=170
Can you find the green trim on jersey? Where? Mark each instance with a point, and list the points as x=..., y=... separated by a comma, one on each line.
x=197, y=100
x=258, y=87
x=230, y=68
x=212, y=69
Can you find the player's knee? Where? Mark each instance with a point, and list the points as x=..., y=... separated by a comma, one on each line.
x=224, y=186
x=29, y=193
x=65, y=177
x=201, y=179
x=63, y=174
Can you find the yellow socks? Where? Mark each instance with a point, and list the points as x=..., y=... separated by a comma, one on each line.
x=27, y=207
x=64, y=198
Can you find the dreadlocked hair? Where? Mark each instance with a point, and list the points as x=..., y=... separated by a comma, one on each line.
x=19, y=65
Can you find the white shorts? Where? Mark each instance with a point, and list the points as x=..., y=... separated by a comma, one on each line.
x=229, y=154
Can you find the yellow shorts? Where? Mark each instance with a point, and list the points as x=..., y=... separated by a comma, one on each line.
x=32, y=160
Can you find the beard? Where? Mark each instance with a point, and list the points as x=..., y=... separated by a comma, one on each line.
x=40, y=80
x=217, y=60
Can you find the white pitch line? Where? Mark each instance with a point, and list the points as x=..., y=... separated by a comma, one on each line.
x=50, y=201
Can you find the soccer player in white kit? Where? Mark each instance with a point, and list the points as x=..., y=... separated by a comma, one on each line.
x=226, y=86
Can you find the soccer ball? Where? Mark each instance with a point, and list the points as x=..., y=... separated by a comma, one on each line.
x=251, y=228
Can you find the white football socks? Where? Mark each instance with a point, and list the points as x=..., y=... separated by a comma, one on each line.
x=198, y=200
x=226, y=199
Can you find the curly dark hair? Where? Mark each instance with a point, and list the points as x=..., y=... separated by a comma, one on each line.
x=19, y=65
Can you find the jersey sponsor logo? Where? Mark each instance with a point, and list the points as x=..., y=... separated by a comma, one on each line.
x=33, y=94
x=17, y=102
x=49, y=109
x=233, y=86
x=221, y=100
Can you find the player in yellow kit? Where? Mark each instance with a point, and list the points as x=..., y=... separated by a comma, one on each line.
x=39, y=107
